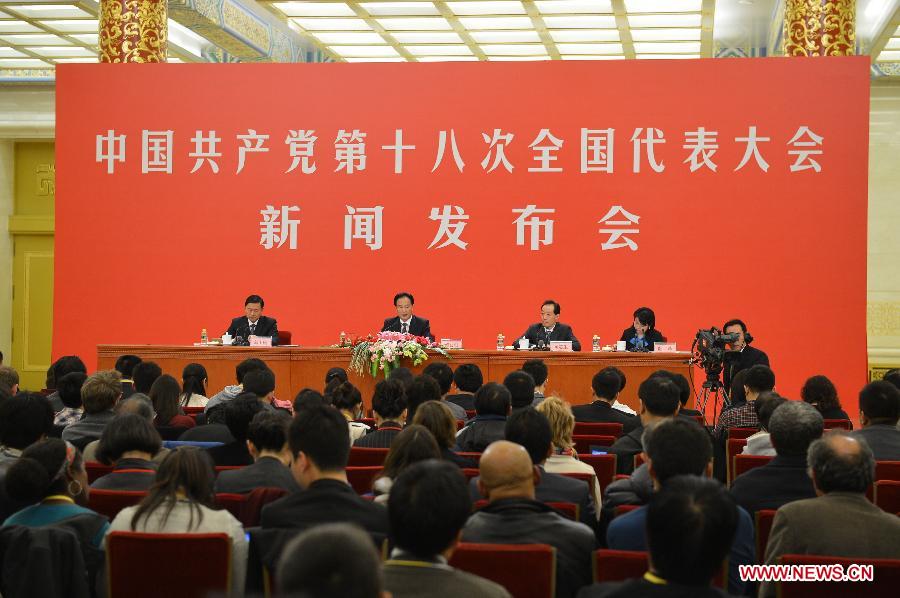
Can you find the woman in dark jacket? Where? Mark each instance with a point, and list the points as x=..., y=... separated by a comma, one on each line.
x=819, y=392
x=642, y=335
x=129, y=442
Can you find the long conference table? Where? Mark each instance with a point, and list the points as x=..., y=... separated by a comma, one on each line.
x=296, y=367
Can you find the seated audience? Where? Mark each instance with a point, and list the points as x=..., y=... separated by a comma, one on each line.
x=758, y=379
x=24, y=419
x=893, y=376
x=239, y=413
x=389, y=404
x=539, y=373
x=99, y=394
x=125, y=365
x=164, y=394
x=331, y=561
x=181, y=502
x=267, y=443
x=213, y=430
x=467, y=378
x=492, y=406
x=262, y=384
x=347, y=399
x=9, y=377
x=308, y=397
x=193, y=386
x=415, y=443
x=423, y=388
x=436, y=416
x=760, y=443
x=684, y=392
x=443, y=375
x=513, y=516
x=318, y=442
x=403, y=375
x=840, y=521
x=339, y=374
x=145, y=374
x=69, y=389
x=428, y=507
x=129, y=442
x=658, y=401
x=618, y=406
x=62, y=366
x=690, y=525
x=232, y=391
x=520, y=385
x=606, y=386
x=820, y=392
x=879, y=410
x=139, y=404
x=792, y=427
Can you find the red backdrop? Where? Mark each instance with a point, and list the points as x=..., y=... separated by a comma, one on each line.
x=154, y=257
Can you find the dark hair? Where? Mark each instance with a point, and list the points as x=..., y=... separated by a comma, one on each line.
x=389, y=399
x=335, y=374
x=423, y=388
x=531, y=429
x=192, y=377
x=144, y=375
x=442, y=373
x=344, y=395
x=880, y=402
x=759, y=378
x=646, y=317
x=733, y=323
x=606, y=384
x=125, y=365
x=403, y=294
x=127, y=432
x=330, y=560
x=164, y=394
x=437, y=417
x=893, y=376
x=538, y=370
x=66, y=365
x=268, y=430
x=402, y=374
x=691, y=523
x=793, y=426
x=677, y=446
x=9, y=376
x=738, y=395
x=307, y=397
x=428, y=505
x=260, y=382
x=41, y=471
x=620, y=373
x=468, y=377
x=216, y=414
x=765, y=405
x=841, y=470
x=684, y=387
x=185, y=474
x=24, y=418
x=820, y=392
x=247, y=366
x=492, y=399
x=69, y=389
x=556, y=307
x=254, y=299
x=521, y=388
x=415, y=443
x=321, y=433
x=239, y=412
x=659, y=396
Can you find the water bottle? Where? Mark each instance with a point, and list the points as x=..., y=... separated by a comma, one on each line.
x=595, y=344
x=204, y=338
x=501, y=342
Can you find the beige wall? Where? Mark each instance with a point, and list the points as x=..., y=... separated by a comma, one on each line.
x=7, y=200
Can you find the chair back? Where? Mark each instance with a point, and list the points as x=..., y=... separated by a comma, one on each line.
x=598, y=429
x=838, y=424
x=460, y=424
x=366, y=457
x=471, y=456
x=887, y=495
x=96, y=470
x=622, y=509
x=205, y=561
x=764, y=520
x=193, y=410
x=744, y=463
x=741, y=432
x=233, y=503
x=525, y=570
x=470, y=413
x=733, y=446
x=110, y=502
x=470, y=472
x=638, y=460
x=285, y=337
x=362, y=478
x=604, y=466
x=369, y=421
x=884, y=582
x=221, y=468
x=884, y=470
x=584, y=442
x=619, y=565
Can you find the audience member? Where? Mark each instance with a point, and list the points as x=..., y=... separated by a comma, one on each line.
x=62, y=366
x=129, y=442
x=125, y=366
x=402, y=374
x=760, y=443
x=684, y=392
x=164, y=394
x=239, y=413
x=428, y=507
x=423, y=388
x=99, y=394
x=605, y=387
x=840, y=521
x=737, y=394
x=24, y=419
x=9, y=377
x=214, y=430
x=879, y=410
x=513, y=516
x=145, y=374
x=758, y=379
x=443, y=375
x=492, y=406
x=69, y=389
x=231, y=392
x=893, y=376
x=308, y=397
x=137, y=404
x=539, y=373
x=820, y=392
x=181, y=502
x=520, y=385
x=618, y=406
x=267, y=443
x=389, y=404
x=347, y=399
x=467, y=378
x=193, y=386
x=415, y=443
x=262, y=384
x=436, y=417
x=339, y=374
x=658, y=400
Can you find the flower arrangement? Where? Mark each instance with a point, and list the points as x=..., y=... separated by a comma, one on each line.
x=385, y=350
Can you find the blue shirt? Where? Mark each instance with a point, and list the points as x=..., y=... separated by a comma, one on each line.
x=41, y=514
x=628, y=532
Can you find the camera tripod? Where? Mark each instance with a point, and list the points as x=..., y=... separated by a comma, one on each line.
x=715, y=390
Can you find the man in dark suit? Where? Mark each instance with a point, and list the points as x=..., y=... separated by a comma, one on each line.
x=879, y=410
x=549, y=329
x=239, y=412
x=389, y=405
x=468, y=379
x=267, y=443
x=605, y=385
x=405, y=321
x=253, y=323
x=741, y=355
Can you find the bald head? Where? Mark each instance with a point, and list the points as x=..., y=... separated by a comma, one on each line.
x=840, y=462
x=506, y=471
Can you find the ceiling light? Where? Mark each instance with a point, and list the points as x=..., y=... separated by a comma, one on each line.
x=889, y=56
x=333, y=24
x=585, y=35
x=594, y=57
x=666, y=47
x=16, y=26
x=654, y=35
x=380, y=9
x=10, y=53
x=427, y=37
x=62, y=51
x=457, y=50
x=22, y=63
x=349, y=38
x=186, y=39
x=86, y=38
x=517, y=58
x=496, y=37
x=46, y=39
x=447, y=58
x=487, y=7
x=581, y=22
x=382, y=59
x=691, y=20
x=50, y=11
x=314, y=9
x=72, y=25
x=91, y=59
x=657, y=6
x=668, y=56
x=893, y=44
x=364, y=51
x=549, y=7
x=589, y=48
x=416, y=23
x=514, y=49
x=496, y=22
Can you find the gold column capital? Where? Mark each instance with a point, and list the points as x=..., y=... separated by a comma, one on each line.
x=819, y=28
x=133, y=30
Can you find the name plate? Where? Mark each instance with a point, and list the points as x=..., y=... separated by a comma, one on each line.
x=260, y=341
x=561, y=346
x=451, y=343
x=664, y=347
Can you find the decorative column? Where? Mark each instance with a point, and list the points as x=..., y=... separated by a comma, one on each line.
x=133, y=30
x=819, y=28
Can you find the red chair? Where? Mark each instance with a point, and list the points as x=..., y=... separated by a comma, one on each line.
x=733, y=446
x=887, y=495
x=362, y=478
x=884, y=470
x=247, y=508
x=838, y=424
x=638, y=460
x=128, y=554
x=744, y=463
x=525, y=570
x=764, y=520
x=884, y=582
x=604, y=466
x=622, y=509
x=285, y=337
x=366, y=457
x=470, y=413
x=740, y=432
x=470, y=472
x=369, y=421
x=583, y=443
x=192, y=410
x=619, y=565
x=598, y=429
x=588, y=478
x=471, y=456
x=110, y=502
x=96, y=470
x=233, y=503
x=460, y=424
x=221, y=468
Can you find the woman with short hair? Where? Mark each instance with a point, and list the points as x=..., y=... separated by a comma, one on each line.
x=129, y=442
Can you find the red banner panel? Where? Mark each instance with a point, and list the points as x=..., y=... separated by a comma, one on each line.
x=705, y=189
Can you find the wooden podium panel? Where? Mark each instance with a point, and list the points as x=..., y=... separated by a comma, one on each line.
x=296, y=368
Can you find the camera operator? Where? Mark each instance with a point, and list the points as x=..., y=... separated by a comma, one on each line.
x=740, y=355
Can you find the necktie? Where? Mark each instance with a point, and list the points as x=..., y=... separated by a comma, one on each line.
x=547, y=332
x=253, y=328
x=404, y=328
